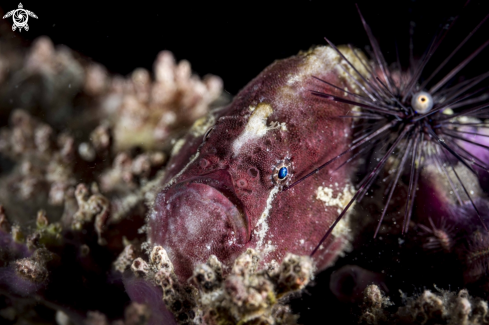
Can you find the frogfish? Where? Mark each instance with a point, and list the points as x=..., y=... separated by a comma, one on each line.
x=222, y=192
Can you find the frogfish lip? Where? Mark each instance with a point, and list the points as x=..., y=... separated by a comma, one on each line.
x=215, y=190
x=197, y=217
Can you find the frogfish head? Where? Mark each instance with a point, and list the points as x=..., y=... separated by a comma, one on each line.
x=222, y=190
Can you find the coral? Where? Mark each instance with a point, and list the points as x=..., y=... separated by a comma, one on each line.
x=242, y=295
x=43, y=171
x=443, y=307
x=94, y=209
x=145, y=112
x=127, y=172
x=126, y=258
x=373, y=306
x=247, y=295
x=73, y=185
x=158, y=270
x=136, y=314
x=34, y=268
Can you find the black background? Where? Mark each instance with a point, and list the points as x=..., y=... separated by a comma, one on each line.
x=237, y=39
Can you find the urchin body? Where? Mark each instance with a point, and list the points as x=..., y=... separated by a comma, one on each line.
x=410, y=122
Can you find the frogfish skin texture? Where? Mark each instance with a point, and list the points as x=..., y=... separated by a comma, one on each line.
x=219, y=195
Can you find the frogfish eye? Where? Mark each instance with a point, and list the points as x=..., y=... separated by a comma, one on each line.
x=422, y=102
x=281, y=172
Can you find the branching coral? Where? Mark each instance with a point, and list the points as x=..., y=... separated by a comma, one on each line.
x=145, y=112
x=74, y=187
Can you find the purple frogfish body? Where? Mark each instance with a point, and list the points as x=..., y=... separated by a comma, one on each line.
x=222, y=192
